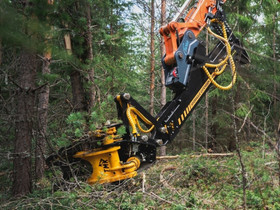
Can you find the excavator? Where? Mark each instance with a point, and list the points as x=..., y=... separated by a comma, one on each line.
x=189, y=72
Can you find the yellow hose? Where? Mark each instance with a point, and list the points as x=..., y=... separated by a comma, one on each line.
x=132, y=114
x=223, y=63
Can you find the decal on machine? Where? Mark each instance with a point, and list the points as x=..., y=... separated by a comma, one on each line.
x=194, y=101
x=104, y=163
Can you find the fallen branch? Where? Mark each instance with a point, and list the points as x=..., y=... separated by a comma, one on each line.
x=195, y=156
x=159, y=198
x=213, y=155
x=143, y=181
x=270, y=163
x=167, y=157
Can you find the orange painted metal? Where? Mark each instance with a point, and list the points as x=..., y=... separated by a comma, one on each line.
x=194, y=21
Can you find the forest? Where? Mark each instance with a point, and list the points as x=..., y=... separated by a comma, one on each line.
x=62, y=64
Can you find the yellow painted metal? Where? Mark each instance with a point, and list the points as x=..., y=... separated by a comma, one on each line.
x=179, y=121
x=106, y=163
x=119, y=99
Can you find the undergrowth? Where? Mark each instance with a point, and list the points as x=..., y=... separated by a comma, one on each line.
x=182, y=183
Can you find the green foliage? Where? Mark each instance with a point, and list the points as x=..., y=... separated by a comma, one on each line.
x=121, y=130
x=76, y=119
x=20, y=28
x=77, y=124
x=193, y=183
x=245, y=21
x=121, y=64
x=242, y=110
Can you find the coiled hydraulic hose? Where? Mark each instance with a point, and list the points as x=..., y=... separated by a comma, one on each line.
x=223, y=63
x=132, y=114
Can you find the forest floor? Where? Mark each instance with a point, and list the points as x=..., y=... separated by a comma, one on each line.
x=186, y=182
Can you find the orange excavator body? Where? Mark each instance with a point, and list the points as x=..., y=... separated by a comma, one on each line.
x=195, y=21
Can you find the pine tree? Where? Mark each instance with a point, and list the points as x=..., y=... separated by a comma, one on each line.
x=152, y=58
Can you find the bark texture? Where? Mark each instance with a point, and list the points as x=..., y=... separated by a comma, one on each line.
x=214, y=125
x=152, y=50
x=23, y=136
x=78, y=92
x=0, y=51
x=163, y=88
x=206, y=104
x=194, y=129
x=206, y=121
x=278, y=151
x=275, y=102
x=162, y=76
x=43, y=105
x=92, y=92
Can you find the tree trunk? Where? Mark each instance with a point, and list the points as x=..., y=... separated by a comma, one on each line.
x=194, y=129
x=67, y=43
x=274, y=94
x=278, y=151
x=152, y=49
x=92, y=92
x=0, y=51
x=206, y=121
x=206, y=104
x=43, y=105
x=78, y=92
x=238, y=150
x=214, y=126
x=249, y=118
x=232, y=143
x=162, y=50
x=23, y=136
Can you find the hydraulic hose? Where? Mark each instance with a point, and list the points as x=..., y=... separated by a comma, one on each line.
x=132, y=114
x=224, y=63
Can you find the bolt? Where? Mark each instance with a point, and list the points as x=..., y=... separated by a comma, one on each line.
x=145, y=138
x=190, y=35
x=159, y=141
x=189, y=60
x=163, y=129
x=180, y=54
x=126, y=96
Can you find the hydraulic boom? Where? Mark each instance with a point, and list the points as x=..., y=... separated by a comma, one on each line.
x=189, y=72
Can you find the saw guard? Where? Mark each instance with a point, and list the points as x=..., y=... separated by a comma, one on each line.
x=107, y=166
